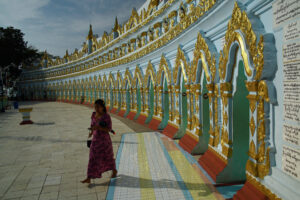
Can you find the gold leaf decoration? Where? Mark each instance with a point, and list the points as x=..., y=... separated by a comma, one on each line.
x=240, y=21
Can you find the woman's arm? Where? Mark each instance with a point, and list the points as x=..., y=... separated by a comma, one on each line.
x=99, y=128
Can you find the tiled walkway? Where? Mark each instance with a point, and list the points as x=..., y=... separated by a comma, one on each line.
x=47, y=160
x=151, y=166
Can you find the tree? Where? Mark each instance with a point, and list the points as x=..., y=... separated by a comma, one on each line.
x=15, y=52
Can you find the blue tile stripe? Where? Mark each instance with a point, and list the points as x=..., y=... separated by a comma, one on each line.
x=192, y=160
x=181, y=183
x=112, y=185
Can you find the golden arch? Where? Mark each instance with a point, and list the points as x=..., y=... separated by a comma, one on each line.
x=137, y=76
x=239, y=27
x=208, y=61
x=182, y=63
x=238, y=24
x=150, y=73
x=85, y=84
x=119, y=80
x=111, y=80
x=127, y=78
x=99, y=80
x=163, y=67
x=104, y=82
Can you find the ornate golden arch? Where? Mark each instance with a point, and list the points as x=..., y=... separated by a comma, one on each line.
x=150, y=73
x=137, y=76
x=240, y=31
x=99, y=81
x=240, y=27
x=163, y=67
x=128, y=78
x=119, y=80
x=208, y=61
x=111, y=81
x=104, y=82
x=181, y=62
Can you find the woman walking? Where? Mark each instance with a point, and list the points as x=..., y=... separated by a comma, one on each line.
x=101, y=157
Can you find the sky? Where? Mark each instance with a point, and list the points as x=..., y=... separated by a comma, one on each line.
x=58, y=25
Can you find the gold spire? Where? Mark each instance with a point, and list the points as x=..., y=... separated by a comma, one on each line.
x=67, y=54
x=116, y=25
x=90, y=35
x=45, y=56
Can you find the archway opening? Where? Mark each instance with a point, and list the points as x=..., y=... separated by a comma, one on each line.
x=183, y=109
x=164, y=104
x=235, y=171
x=150, y=101
x=119, y=98
x=111, y=97
x=128, y=99
x=138, y=99
x=204, y=118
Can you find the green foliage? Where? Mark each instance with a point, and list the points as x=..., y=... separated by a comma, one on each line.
x=15, y=52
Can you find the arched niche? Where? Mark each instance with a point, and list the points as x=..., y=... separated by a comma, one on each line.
x=127, y=92
x=241, y=42
x=162, y=96
x=203, y=79
x=111, y=88
x=104, y=89
x=138, y=94
x=149, y=84
x=181, y=79
x=119, y=89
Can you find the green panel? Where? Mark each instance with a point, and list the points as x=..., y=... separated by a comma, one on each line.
x=236, y=167
x=86, y=95
x=165, y=107
x=95, y=94
x=105, y=96
x=150, y=103
x=139, y=102
x=91, y=94
x=127, y=103
x=111, y=93
x=74, y=94
x=204, y=137
x=119, y=100
x=184, y=121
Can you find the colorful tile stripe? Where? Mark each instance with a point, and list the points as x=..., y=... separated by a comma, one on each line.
x=151, y=166
x=146, y=185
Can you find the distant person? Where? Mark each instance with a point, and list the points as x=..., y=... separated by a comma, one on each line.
x=101, y=157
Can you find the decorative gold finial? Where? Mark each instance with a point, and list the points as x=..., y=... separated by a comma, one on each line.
x=90, y=35
x=116, y=27
x=45, y=56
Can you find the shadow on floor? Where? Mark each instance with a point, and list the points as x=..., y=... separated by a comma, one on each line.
x=43, y=123
x=136, y=182
x=40, y=138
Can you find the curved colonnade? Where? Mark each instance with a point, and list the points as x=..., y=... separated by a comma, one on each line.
x=214, y=103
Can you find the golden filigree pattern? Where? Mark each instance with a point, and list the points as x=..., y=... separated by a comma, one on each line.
x=208, y=61
x=241, y=22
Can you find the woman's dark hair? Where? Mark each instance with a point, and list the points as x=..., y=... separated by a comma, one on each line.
x=101, y=103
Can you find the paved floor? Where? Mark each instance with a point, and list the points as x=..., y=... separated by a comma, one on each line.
x=151, y=166
x=47, y=160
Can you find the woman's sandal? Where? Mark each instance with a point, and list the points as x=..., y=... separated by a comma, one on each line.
x=87, y=180
x=114, y=175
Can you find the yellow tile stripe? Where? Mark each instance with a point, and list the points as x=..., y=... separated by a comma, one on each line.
x=146, y=185
x=192, y=180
